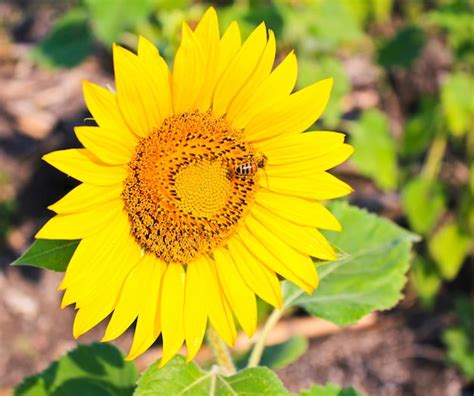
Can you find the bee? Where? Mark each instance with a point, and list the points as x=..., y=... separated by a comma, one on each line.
x=251, y=167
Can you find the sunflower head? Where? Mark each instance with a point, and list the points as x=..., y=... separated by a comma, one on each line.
x=200, y=186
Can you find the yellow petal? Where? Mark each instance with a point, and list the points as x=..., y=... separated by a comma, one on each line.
x=261, y=72
x=148, y=326
x=101, y=296
x=277, y=86
x=306, y=240
x=320, y=186
x=188, y=72
x=228, y=47
x=102, y=103
x=159, y=74
x=310, y=166
x=85, y=197
x=241, y=298
x=256, y=275
x=298, y=210
x=239, y=70
x=294, y=114
x=195, y=311
x=109, y=145
x=280, y=257
x=83, y=166
x=80, y=225
x=172, y=311
x=218, y=308
x=301, y=146
x=91, y=253
x=132, y=297
x=207, y=33
x=137, y=94
x=109, y=275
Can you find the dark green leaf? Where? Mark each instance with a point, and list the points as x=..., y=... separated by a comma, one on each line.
x=421, y=128
x=68, y=43
x=97, y=369
x=424, y=203
x=330, y=390
x=177, y=377
x=375, y=152
x=403, y=49
x=48, y=253
x=279, y=355
x=369, y=276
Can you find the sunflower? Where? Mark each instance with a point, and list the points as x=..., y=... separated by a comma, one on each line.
x=199, y=188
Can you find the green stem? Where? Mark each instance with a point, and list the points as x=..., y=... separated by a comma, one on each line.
x=272, y=320
x=221, y=352
x=259, y=346
x=435, y=157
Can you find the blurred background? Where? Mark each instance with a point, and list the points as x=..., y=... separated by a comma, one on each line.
x=404, y=94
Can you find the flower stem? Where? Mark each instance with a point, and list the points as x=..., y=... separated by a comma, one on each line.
x=257, y=350
x=221, y=352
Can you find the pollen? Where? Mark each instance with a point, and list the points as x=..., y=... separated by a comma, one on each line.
x=182, y=195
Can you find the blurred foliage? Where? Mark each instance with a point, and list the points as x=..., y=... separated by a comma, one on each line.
x=330, y=390
x=459, y=340
x=375, y=153
x=403, y=49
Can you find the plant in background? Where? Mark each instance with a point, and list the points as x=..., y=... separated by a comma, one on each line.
x=198, y=188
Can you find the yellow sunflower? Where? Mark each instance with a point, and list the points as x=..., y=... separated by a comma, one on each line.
x=198, y=189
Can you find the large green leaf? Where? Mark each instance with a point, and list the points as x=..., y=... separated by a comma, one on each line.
x=330, y=390
x=278, y=355
x=375, y=152
x=50, y=254
x=179, y=378
x=424, y=203
x=68, y=43
x=94, y=370
x=369, y=275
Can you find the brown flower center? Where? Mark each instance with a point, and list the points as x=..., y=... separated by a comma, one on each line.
x=184, y=194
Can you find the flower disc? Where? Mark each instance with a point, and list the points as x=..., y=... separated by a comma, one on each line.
x=182, y=194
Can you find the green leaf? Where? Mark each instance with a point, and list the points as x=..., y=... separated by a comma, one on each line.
x=457, y=99
x=50, y=254
x=177, y=377
x=425, y=280
x=279, y=355
x=94, y=370
x=110, y=19
x=424, y=203
x=67, y=44
x=369, y=276
x=448, y=248
x=403, y=49
x=375, y=152
x=330, y=390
